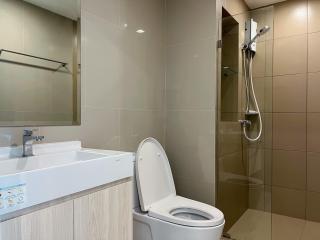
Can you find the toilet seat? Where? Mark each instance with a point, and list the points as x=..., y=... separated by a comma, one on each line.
x=187, y=212
x=157, y=193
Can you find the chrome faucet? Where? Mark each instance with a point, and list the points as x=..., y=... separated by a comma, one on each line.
x=27, y=140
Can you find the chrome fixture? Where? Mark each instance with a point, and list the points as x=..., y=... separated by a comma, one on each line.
x=248, y=51
x=27, y=141
x=262, y=31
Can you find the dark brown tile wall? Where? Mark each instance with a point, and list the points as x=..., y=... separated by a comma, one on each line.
x=296, y=109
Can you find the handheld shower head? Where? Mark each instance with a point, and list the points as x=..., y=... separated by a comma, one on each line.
x=264, y=30
x=261, y=32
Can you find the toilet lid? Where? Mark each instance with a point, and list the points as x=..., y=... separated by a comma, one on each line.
x=153, y=174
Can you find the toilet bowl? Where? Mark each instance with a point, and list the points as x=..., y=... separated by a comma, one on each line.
x=159, y=214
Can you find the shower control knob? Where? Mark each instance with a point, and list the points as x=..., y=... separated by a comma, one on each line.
x=245, y=123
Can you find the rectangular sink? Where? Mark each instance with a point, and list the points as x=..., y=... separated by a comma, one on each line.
x=58, y=170
x=18, y=165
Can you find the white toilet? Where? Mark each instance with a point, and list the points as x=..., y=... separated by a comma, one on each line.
x=159, y=214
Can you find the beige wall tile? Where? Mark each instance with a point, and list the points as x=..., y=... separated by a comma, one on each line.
x=269, y=57
x=259, y=61
x=262, y=62
x=256, y=163
x=289, y=131
x=313, y=16
x=289, y=169
x=103, y=89
x=190, y=76
x=313, y=177
x=313, y=132
x=313, y=92
x=232, y=167
x=289, y=93
x=260, y=85
x=136, y=125
x=268, y=167
x=109, y=63
x=257, y=197
x=289, y=202
x=143, y=14
x=314, y=52
x=287, y=13
x=268, y=133
x=229, y=138
x=264, y=17
x=189, y=152
x=188, y=20
x=286, y=50
x=313, y=208
x=95, y=120
x=202, y=191
x=109, y=12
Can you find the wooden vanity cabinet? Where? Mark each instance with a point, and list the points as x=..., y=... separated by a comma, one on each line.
x=102, y=215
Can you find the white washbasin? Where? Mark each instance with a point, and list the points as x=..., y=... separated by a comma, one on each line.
x=58, y=170
x=17, y=165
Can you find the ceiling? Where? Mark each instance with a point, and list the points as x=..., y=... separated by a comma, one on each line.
x=261, y=3
x=67, y=8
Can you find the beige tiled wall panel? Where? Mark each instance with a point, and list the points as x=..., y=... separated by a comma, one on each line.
x=313, y=207
x=289, y=131
x=286, y=52
x=314, y=52
x=290, y=18
x=289, y=202
x=289, y=93
x=313, y=132
x=313, y=92
x=313, y=16
x=289, y=169
x=313, y=177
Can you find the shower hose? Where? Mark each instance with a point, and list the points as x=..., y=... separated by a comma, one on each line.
x=247, y=64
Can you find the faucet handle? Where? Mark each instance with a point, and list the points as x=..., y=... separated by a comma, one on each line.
x=29, y=132
x=38, y=138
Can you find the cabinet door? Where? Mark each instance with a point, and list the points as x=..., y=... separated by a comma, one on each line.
x=52, y=223
x=104, y=215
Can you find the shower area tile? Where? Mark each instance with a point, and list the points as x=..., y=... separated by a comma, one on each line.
x=281, y=170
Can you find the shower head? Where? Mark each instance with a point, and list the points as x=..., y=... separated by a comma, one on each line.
x=261, y=32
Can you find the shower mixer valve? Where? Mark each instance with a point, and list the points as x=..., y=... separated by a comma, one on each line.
x=245, y=123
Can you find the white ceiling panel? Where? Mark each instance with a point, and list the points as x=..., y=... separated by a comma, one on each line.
x=67, y=8
x=261, y=3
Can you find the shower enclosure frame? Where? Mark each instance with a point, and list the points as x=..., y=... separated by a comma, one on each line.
x=241, y=111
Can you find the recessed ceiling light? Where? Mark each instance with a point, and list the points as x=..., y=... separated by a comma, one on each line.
x=140, y=31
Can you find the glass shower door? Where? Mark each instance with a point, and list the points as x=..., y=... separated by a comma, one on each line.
x=244, y=168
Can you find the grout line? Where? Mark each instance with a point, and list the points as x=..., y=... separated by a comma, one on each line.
x=292, y=36
x=307, y=87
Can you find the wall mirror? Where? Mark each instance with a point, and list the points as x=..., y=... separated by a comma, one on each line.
x=40, y=62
